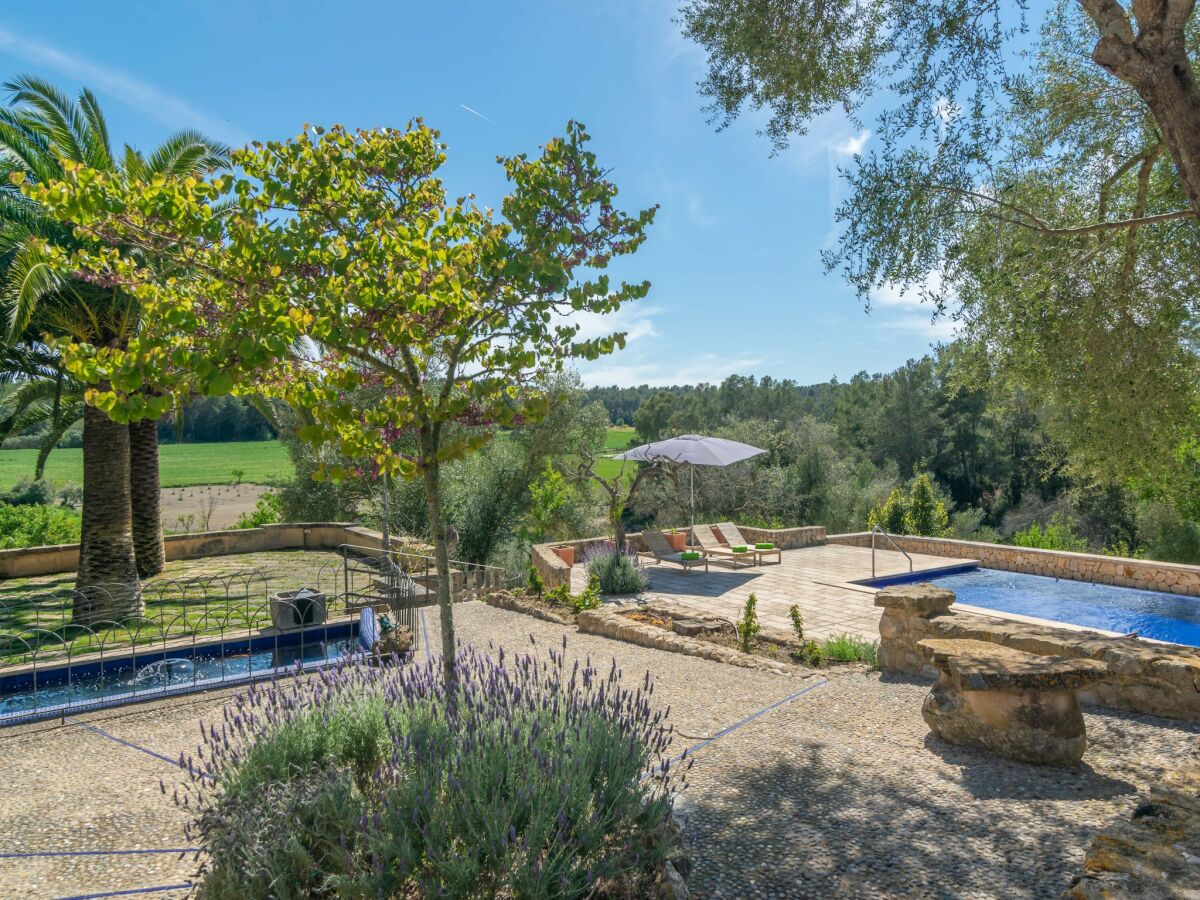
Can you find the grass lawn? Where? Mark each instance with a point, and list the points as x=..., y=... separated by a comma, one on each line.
x=195, y=596
x=180, y=465
x=619, y=437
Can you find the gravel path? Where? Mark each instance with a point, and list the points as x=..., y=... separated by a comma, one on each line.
x=838, y=791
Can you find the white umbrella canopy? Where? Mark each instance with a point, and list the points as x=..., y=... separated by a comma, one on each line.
x=694, y=449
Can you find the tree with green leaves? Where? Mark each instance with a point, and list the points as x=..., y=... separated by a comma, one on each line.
x=1048, y=202
x=346, y=243
x=43, y=135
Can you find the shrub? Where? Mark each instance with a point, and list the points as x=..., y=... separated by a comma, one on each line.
x=809, y=653
x=1057, y=535
x=590, y=598
x=926, y=513
x=747, y=626
x=36, y=526
x=538, y=781
x=28, y=492
x=848, y=648
x=619, y=572
x=267, y=511
x=559, y=596
x=536, y=585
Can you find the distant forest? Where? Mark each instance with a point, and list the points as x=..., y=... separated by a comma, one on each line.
x=992, y=453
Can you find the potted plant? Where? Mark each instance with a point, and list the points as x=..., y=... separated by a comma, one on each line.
x=677, y=539
x=566, y=553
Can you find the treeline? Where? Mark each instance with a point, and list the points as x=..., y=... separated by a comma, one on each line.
x=839, y=449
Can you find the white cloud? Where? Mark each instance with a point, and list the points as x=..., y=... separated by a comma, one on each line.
x=892, y=294
x=636, y=321
x=701, y=367
x=852, y=146
x=145, y=98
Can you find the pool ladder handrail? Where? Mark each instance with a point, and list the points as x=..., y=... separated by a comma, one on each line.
x=875, y=529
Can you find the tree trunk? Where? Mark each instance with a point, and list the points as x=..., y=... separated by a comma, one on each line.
x=1154, y=62
x=107, y=581
x=433, y=502
x=144, y=496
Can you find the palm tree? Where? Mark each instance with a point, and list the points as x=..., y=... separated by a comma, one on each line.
x=121, y=531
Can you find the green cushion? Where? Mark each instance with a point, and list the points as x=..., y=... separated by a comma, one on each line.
x=764, y=545
x=740, y=548
x=689, y=554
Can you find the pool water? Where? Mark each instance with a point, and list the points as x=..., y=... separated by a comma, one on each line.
x=174, y=674
x=1152, y=614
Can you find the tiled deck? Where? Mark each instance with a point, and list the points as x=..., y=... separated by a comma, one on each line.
x=812, y=578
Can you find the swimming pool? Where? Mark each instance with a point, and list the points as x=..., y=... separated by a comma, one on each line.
x=1152, y=614
x=55, y=690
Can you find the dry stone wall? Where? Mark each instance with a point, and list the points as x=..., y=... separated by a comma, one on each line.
x=1137, y=573
x=1143, y=676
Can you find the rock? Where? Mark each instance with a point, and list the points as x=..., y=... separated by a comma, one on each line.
x=1155, y=854
x=921, y=599
x=671, y=885
x=1009, y=702
x=688, y=627
x=398, y=641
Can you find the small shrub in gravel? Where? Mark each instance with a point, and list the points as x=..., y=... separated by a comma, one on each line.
x=619, y=572
x=536, y=585
x=559, y=596
x=539, y=780
x=809, y=653
x=747, y=626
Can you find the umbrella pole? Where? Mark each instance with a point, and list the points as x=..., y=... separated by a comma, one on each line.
x=692, y=492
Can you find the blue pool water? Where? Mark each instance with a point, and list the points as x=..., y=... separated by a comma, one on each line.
x=152, y=674
x=1152, y=614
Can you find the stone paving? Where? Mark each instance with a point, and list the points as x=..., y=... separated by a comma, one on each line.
x=812, y=578
x=839, y=791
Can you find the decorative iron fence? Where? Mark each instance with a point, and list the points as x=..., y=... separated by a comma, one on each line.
x=196, y=632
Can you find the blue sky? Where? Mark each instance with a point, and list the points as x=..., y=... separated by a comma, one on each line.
x=734, y=256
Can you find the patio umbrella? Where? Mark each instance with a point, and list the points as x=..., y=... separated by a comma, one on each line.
x=695, y=450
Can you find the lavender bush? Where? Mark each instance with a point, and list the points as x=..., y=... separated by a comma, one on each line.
x=619, y=572
x=539, y=780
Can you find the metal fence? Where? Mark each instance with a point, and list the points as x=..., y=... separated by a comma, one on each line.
x=186, y=634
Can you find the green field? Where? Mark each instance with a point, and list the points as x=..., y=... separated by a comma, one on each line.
x=180, y=465
x=617, y=439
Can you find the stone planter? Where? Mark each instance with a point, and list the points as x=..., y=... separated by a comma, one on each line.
x=677, y=540
x=566, y=554
x=293, y=609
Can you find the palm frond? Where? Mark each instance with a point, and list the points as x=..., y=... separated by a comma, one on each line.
x=99, y=150
x=187, y=152
x=66, y=418
x=29, y=279
x=54, y=114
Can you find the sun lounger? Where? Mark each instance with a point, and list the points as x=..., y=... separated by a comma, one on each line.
x=660, y=548
x=710, y=546
x=732, y=536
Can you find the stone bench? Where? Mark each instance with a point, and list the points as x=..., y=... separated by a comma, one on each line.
x=1018, y=705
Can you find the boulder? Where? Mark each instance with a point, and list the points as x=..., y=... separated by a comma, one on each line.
x=1014, y=704
x=922, y=599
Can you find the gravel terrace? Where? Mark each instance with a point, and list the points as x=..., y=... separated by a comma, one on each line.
x=839, y=790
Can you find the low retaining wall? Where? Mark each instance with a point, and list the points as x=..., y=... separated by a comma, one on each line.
x=1147, y=574
x=608, y=622
x=27, y=561
x=555, y=572
x=1143, y=676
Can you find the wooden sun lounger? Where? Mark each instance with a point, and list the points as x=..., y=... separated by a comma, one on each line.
x=662, y=551
x=710, y=546
x=730, y=532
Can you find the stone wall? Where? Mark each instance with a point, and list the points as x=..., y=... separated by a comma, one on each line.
x=1143, y=676
x=1137, y=573
x=28, y=561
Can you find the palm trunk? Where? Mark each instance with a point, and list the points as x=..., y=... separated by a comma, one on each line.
x=107, y=581
x=442, y=559
x=144, y=496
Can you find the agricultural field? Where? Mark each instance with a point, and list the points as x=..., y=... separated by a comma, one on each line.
x=616, y=439
x=180, y=465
